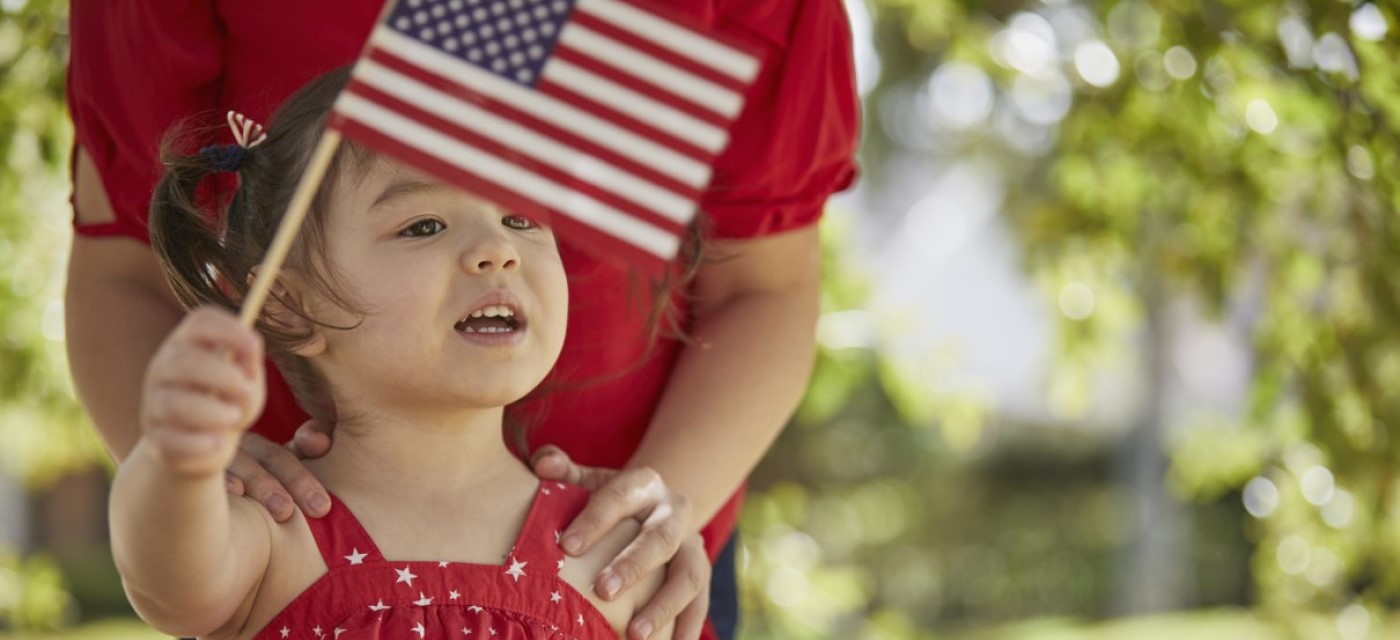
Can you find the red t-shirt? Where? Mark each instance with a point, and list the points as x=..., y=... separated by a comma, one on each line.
x=139, y=67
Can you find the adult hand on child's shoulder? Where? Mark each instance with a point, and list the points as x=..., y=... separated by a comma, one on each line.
x=272, y=474
x=202, y=389
x=665, y=539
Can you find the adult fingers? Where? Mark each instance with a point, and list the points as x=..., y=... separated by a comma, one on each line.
x=631, y=493
x=660, y=539
x=551, y=463
x=274, y=476
x=312, y=439
x=684, y=597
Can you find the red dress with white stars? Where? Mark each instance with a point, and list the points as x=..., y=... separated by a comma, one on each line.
x=364, y=596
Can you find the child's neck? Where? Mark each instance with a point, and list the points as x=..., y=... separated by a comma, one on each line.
x=421, y=456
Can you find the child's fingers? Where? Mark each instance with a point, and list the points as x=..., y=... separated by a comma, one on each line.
x=192, y=410
x=217, y=329
x=195, y=367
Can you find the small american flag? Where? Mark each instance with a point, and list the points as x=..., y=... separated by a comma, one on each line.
x=604, y=113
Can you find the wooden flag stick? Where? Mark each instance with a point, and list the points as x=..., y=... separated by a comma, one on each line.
x=289, y=227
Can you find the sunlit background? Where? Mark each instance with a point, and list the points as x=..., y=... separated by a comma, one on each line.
x=1110, y=343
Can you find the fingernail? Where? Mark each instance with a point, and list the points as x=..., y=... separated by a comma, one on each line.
x=275, y=503
x=573, y=542
x=611, y=585
x=318, y=503
x=644, y=628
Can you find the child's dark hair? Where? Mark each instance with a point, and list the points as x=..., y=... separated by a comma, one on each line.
x=210, y=243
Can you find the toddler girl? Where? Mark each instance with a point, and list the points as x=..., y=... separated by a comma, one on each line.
x=409, y=314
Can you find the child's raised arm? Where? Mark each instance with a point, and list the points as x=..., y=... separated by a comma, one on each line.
x=189, y=554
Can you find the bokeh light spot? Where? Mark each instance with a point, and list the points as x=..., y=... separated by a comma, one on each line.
x=1179, y=63
x=1260, y=497
x=1076, y=301
x=1261, y=116
x=1096, y=63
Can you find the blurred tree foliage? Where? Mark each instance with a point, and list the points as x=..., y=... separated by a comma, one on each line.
x=1236, y=154
x=42, y=429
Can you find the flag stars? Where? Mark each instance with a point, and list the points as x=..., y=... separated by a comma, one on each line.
x=474, y=55
x=468, y=38
x=524, y=75
x=403, y=23
x=481, y=14
x=560, y=6
x=535, y=51
x=498, y=9
x=450, y=45
x=487, y=31
x=511, y=41
x=421, y=17
x=504, y=24
x=463, y=21
x=517, y=58
x=444, y=28
x=439, y=11
x=455, y=5
x=528, y=35
x=541, y=13
x=425, y=34
x=547, y=29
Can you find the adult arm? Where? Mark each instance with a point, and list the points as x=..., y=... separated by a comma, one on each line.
x=117, y=310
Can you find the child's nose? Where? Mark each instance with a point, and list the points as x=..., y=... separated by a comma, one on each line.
x=491, y=253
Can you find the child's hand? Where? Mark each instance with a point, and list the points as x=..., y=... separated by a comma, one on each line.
x=203, y=388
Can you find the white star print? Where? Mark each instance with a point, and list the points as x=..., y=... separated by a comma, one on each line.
x=559, y=484
x=380, y=606
x=517, y=569
x=405, y=576
x=318, y=631
x=453, y=595
x=544, y=491
x=580, y=618
x=555, y=597
x=338, y=631
x=423, y=600
x=561, y=563
x=443, y=564
x=466, y=631
x=474, y=609
x=285, y=631
x=420, y=630
x=493, y=631
x=356, y=557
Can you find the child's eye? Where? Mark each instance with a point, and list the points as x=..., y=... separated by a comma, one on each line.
x=423, y=228
x=518, y=222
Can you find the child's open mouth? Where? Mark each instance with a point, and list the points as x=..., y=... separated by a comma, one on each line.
x=492, y=319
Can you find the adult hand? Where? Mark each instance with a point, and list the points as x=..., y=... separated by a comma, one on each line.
x=272, y=474
x=666, y=537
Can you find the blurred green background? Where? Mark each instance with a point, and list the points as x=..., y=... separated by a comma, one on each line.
x=1110, y=344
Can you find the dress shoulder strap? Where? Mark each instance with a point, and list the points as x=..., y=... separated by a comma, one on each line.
x=341, y=538
x=556, y=505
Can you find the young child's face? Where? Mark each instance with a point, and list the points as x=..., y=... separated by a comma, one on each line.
x=431, y=265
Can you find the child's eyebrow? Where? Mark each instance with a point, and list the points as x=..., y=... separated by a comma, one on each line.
x=402, y=187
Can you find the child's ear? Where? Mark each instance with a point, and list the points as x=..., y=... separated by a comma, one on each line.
x=285, y=308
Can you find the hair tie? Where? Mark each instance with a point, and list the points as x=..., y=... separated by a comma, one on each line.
x=246, y=133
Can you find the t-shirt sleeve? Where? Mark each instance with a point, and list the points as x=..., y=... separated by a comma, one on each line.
x=794, y=143
x=137, y=68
